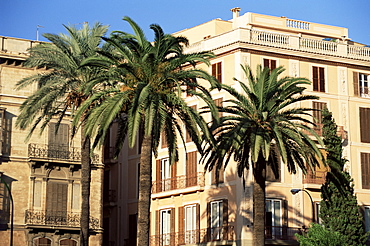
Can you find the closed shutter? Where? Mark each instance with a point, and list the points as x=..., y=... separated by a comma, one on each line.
x=322, y=79
x=217, y=71
x=191, y=169
x=158, y=175
x=157, y=223
x=365, y=170
x=59, y=139
x=188, y=136
x=164, y=143
x=355, y=84
x=174, y=176
x=273, y=64
x=225, y=219
x=266, y=63
x=315, y=78
x=365, y=125
x=56, y=202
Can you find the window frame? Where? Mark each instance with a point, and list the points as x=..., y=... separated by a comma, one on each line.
x=320, y=80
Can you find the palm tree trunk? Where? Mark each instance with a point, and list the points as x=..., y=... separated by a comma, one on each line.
x=145, y=186
x=259, y=204
x=85, y=188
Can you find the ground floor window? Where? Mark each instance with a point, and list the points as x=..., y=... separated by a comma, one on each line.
x=43, y=241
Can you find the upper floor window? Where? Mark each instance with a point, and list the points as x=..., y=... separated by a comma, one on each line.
x=361, y=84
x=165, y=175
x=365, y=125
x=217, y=212
x=188, y=135
x=269, y=63
x=58, y=136
x=317, y=116
x=365, y=170
x=217, y=71
x=318, y=79
x=191, y=169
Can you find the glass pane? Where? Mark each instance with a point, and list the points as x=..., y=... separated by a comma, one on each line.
x=277, y=213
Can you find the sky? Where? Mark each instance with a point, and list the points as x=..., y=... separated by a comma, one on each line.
x=20, y=18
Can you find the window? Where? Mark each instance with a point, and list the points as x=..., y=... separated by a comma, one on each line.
x=191, y=169
x=217, y=219
x=68, y=242
x=318, y=79
x=188, y=135
x=317, y=213
x=365, y=125
x=164, y=140
x=165, y=175
x=56, y=201
x=361, y=84
x=367, y=218
x=221, y=173
x=365, y=170
x=217, y=71
x=270, y=176
x=218, y=104
x=191, y=224
x=317, y=116
x=166, y=226
x=269, y=63
x=58, y=137
x=191, y=87
x=274, y=220
x=42, y=241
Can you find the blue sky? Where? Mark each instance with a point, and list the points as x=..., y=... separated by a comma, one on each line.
x=19, y=18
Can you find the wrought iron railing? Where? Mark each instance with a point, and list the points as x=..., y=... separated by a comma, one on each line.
x=282, y=232
x=57, y=152
x=224, y=233
x=57, y=218
x=179, y=182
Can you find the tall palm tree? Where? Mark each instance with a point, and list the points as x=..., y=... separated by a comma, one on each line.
x=262, y=122
x=60, y=92
x=143, y=90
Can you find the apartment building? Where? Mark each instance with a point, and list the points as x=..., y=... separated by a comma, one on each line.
x=41, y=203
x=187, y=206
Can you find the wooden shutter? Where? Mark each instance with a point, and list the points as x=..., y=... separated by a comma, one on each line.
x=61, y=138
x=273, y=64
x=56, y=200
x=355, y=84
x=266, y=63
x=181, y=211
x=157, y=222
x=225, y=219
x=172, y=227
x=322, y=79
x=188, y=136
x=164, y=143
x=365, y=125
x=315, y=78
x=158, y=175
x=365, y=170
x=191, y=169
x=218, y=103
x=217, y=71
x=174, y=176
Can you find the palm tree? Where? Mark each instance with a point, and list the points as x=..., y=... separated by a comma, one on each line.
x=59, y=92
x=262, y=122
x=143, y=90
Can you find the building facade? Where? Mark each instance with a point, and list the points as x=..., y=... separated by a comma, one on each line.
x=187, y=207
x=42, y=175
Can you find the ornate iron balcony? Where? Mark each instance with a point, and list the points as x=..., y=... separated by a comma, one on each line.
x=57, y=152
x=178, y=182
x=57, y=218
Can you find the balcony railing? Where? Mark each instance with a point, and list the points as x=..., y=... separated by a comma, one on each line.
x=281, y=40
x=57, y=152
x=225, y=233
x=317, y=177
x=179, y=182
x=57, y=218
x=282, y=232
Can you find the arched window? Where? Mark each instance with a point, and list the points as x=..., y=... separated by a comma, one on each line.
x=68, y=242
x=43, y=241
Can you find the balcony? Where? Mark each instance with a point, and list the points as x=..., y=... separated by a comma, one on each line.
x=56, y=219
x=202, y=236
x=281, y=232
x=340, y=131
x=179, y=183
x=252, y=37
x=57, y=153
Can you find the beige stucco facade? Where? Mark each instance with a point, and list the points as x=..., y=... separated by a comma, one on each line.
x=187, y=212
x=43, y=173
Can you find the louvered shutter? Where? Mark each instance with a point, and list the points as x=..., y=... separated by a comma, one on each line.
x=158, y=175
x=365, y=125
x=174, y=176
x=365, y=170
x=315, y=78
x=355, y=84
x=322, y=79
x=181, y=212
